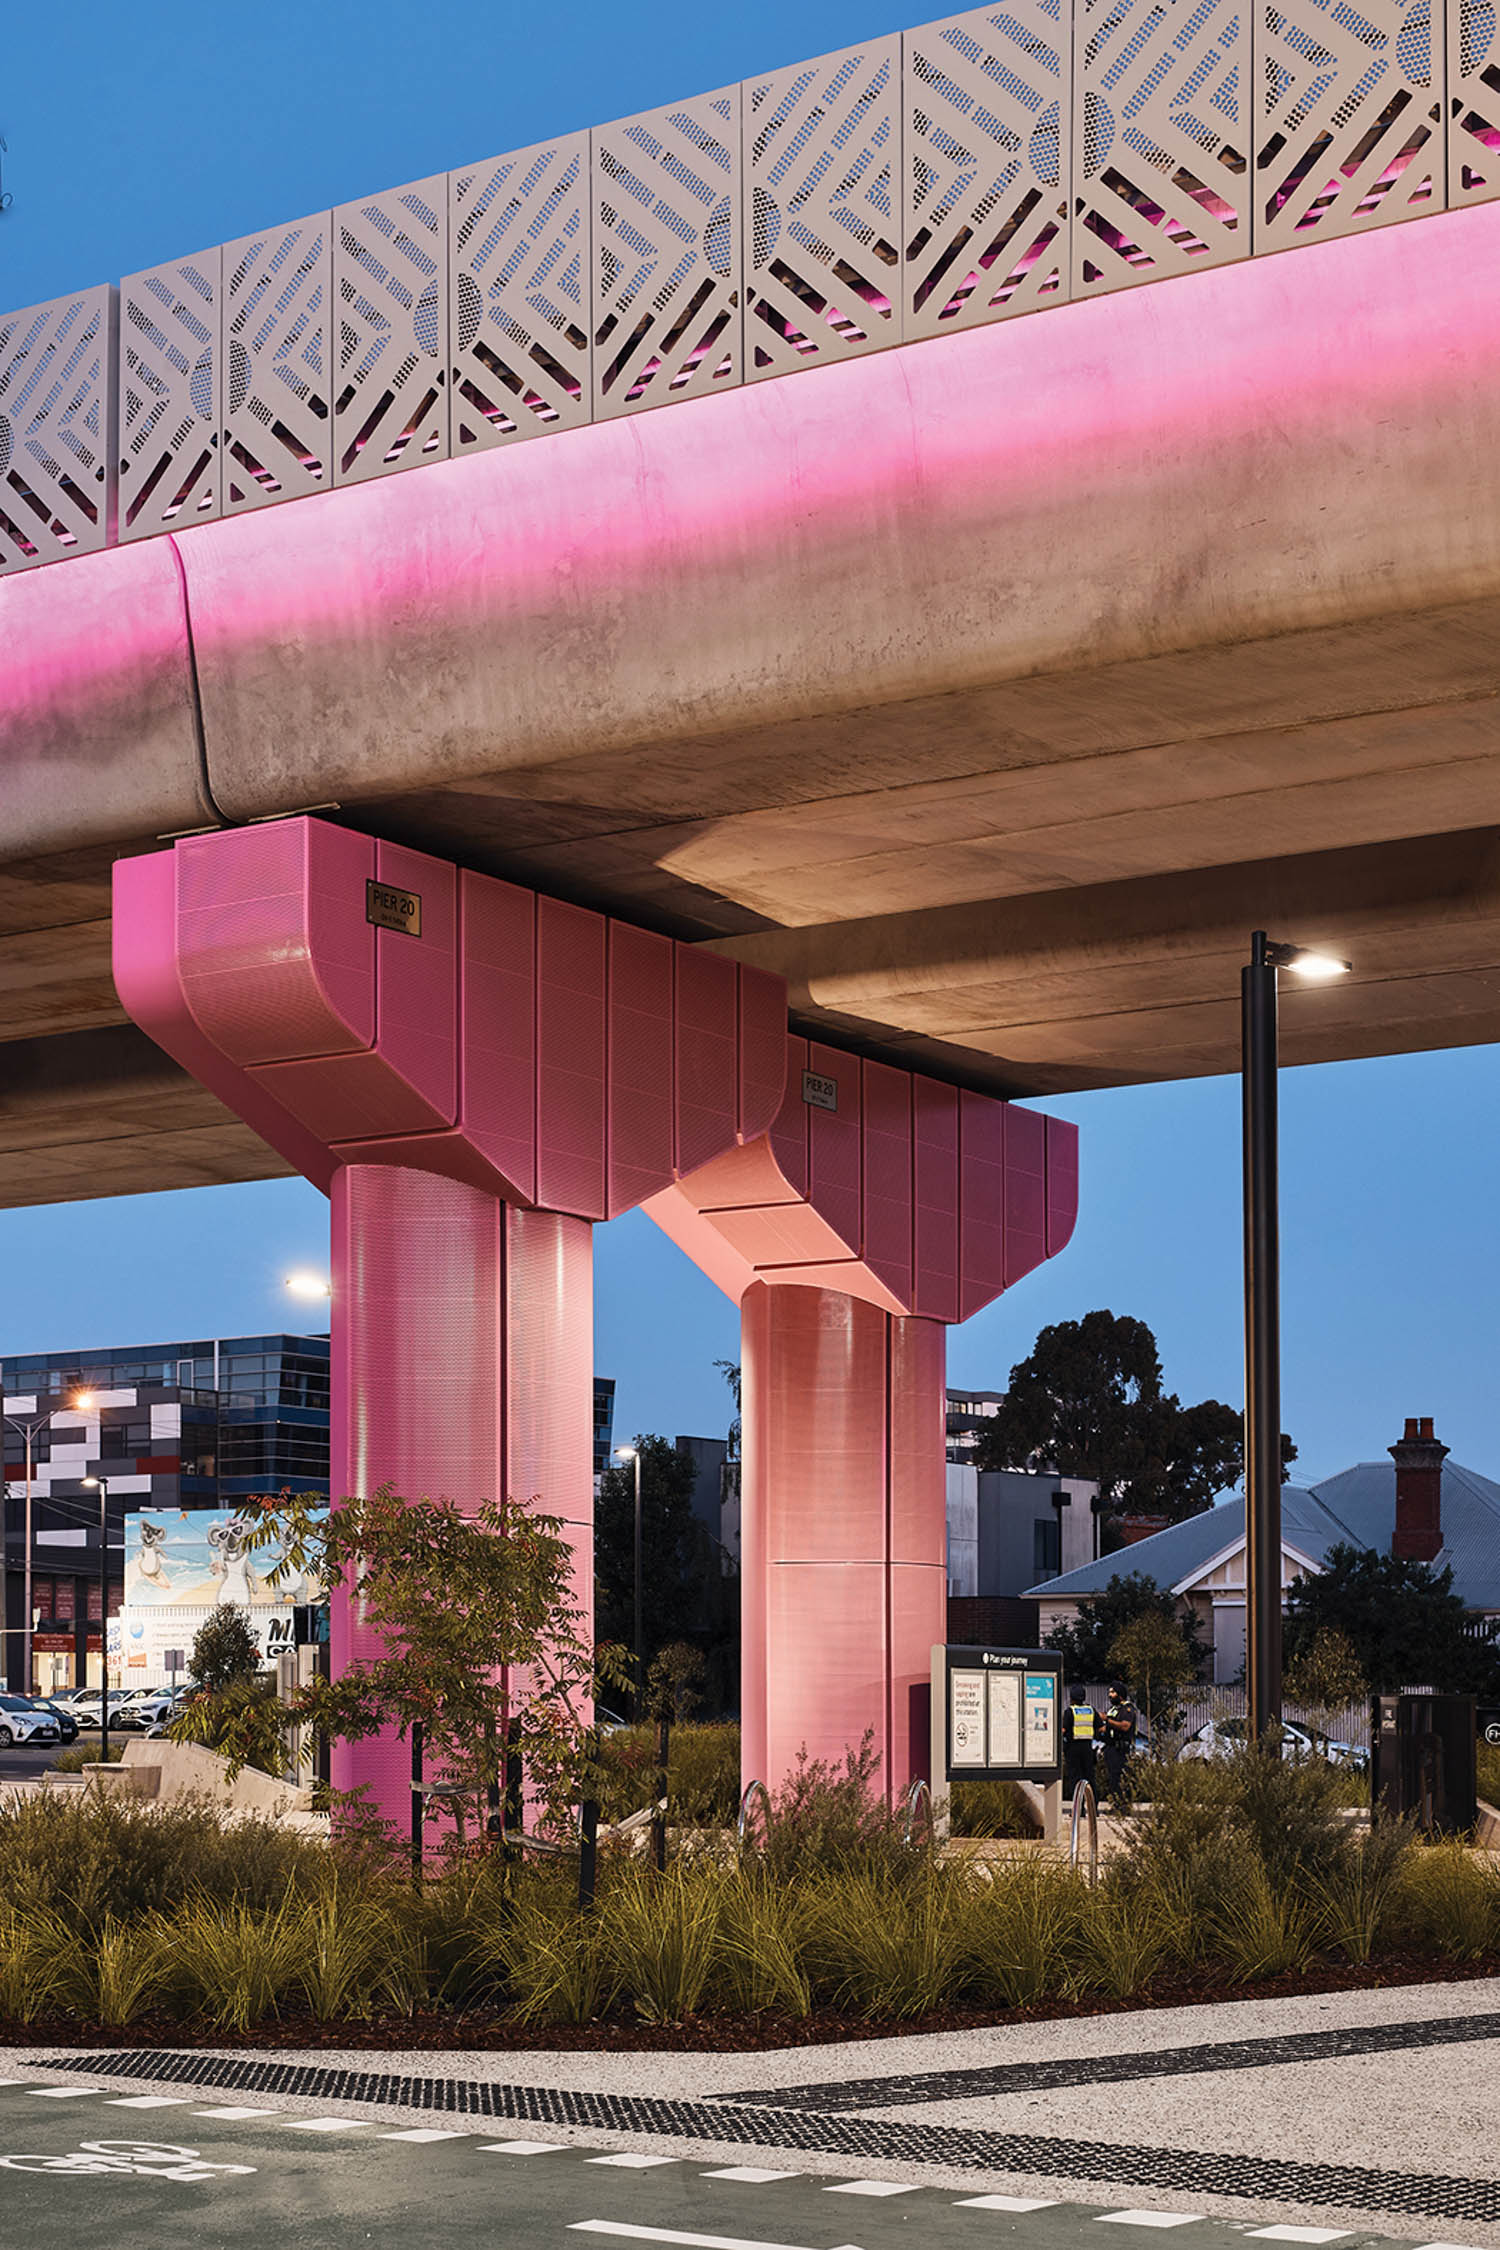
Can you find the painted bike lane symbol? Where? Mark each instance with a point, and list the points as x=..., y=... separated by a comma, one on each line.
x=152, y=2160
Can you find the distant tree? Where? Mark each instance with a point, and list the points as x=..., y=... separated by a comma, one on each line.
x=236, y=1710
x=1087, y=1645
x=1153, y=1656
x=730, y=1370
x=681, y=1564
x=1402, y=1619
x=225, y=1650
x=1325, y=1676
x=1088, y=1402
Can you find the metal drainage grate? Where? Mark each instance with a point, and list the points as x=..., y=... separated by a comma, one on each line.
x=1261, y=2179
x=899, y=2092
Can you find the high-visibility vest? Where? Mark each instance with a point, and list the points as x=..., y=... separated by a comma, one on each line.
x=1083, y=1722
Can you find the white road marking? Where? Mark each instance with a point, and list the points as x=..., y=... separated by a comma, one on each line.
x=63, y=2093
x=625, y=2233
x=236, y=2111
x=422, y=2133
x=1147, y=2218
x=1007, y=2203
x=756, y=2173
x=635, y=2163
x=326, y=2124
x=147, y=2101
x=523, y=2148
x=1297, y=2234
x=874, y=2187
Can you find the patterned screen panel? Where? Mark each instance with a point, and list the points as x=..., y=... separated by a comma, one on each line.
x=666, y=254
x=1473, y=101
x=57, y=438
x=169, y=396
x=519, y=261
x=822, y=209
x=278, y=294
x=1348, y=130
x=988, y=129
x=390, y=294
x=1161, y=119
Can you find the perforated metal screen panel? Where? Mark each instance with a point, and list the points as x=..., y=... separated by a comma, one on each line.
x=987, y=134
x=278, y=290
x=1349, y=109
x=390, y=284
x=667, y=254
x=519, y=282
x=57, y=438
x=169, y=405
x=1473, y=101
x=1161, y=116
x=822, y=216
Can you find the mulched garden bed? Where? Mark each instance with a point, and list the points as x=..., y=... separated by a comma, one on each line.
x=438, y=2032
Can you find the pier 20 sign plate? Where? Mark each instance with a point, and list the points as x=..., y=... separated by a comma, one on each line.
x=996, y=1714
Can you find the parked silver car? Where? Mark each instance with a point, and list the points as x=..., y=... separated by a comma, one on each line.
x=1220, y=1738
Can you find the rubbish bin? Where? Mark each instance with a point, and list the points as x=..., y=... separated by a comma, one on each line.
x=1424, y=1762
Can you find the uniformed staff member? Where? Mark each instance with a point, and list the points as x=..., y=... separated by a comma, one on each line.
x=1119, y=1737
x=1080, y=1733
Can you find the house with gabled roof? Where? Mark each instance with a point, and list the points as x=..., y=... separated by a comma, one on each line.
x=1420, y=1504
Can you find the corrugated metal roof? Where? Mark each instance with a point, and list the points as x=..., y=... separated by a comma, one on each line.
x=1357, y=1506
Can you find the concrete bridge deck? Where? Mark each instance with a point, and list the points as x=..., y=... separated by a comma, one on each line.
x=991, y=688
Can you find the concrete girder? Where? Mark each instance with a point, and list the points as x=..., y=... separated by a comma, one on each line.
x=990, y=686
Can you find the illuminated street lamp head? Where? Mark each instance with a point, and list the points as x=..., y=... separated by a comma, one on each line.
x=92, y=1484
x=1306, y=961
x=308, y=1285
x=624, y=1452
x=83, y=1401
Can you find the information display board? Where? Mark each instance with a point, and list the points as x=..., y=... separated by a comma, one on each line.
x=997, y=1714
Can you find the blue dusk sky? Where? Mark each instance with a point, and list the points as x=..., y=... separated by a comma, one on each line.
x=137, y=137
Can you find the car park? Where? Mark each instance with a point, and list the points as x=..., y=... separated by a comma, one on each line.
x=22, y=1721
x=66, y=1720
x=1221, y=1738
x=152, y=1707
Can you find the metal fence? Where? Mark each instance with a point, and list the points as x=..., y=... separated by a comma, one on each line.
x=992, y=164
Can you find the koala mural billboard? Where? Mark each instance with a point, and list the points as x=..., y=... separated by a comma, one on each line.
x=181, y=1565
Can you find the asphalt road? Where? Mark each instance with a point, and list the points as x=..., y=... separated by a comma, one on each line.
x=140, y=2171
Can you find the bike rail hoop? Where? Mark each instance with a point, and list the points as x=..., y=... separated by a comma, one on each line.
x=1085, y=1802
x=918, y=1790
x=752, y=1789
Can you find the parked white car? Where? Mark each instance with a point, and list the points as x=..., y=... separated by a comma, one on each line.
x=1220, y=1738
x=30, y=1723
x=152, y=1707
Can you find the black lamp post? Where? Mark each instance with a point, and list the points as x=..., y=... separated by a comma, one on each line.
x=633, y=1453
x=103, y=1484
x=1263, y=1314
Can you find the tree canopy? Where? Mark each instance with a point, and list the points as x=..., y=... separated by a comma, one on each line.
x=1088, y=1402
x=1403, y=1621
x=685, y=1593
x=1087, y=1646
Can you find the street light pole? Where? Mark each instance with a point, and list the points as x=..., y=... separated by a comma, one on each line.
x=103, y=1484
x=633, y=1453
x=1258, y=1039
x=1262, y=1340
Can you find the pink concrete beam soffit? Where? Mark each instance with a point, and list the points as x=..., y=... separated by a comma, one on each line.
x=361, y=1003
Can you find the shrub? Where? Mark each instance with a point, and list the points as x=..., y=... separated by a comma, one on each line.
x=1264, y=1928
x=703, y=1774
x=82, y=1754
x=1489, y=1773
x=989, y=1808
x=237, y=1963
x=764, y=1931
x=1448, y=1903
x=90, y=1856
x=826, y=1818
x=554, y=1962
x=889, y=1948
x=1022, y=1931
x=110, y=1975
x=658, y=1937
x=1354, y=1901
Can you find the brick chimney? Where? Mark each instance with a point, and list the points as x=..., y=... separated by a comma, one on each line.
x=1419, y=1462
